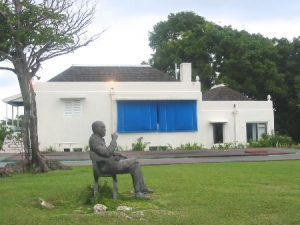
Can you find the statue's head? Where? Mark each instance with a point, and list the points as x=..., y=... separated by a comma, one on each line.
x=98, y=127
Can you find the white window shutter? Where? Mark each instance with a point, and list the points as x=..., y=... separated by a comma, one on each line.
x=72, y=107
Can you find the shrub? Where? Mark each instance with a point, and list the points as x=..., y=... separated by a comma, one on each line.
x=51, y=149
x=190, y=146
x=86, y=148
x=139, y=145
x=158, y=148
x=296, y=146
x=120, y=148
x=3, y=133
x=274, y=140
x=87, y=194
x=226, y=146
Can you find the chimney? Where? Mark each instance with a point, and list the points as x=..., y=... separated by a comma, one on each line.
x=186, y=72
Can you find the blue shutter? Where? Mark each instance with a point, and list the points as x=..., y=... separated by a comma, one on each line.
x=137, y=116
x=177, y=116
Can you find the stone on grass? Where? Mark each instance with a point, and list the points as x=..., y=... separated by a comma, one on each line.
x=57, y=165
x=19, y=167
x=4, y=173
x=138, y=213
x=99, y=208
x=11, y=168
x=46, y=205
x=124, y=208
x=128, y=217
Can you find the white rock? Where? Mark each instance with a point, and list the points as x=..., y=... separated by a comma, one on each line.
x=124, y=208
x=139, y=213
x=45, y=205
x=99, y=208
x=128, y=217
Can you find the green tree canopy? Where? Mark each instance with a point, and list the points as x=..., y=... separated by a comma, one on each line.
x=250, y=63
x=180, y=39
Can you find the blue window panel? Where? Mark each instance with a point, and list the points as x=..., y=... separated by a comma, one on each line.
x=137, y=116
x=176, y=116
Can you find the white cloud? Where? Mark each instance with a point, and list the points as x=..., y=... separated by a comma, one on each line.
x=124, y=42
x=129, y=23
x=271, y=28
x=276, y=28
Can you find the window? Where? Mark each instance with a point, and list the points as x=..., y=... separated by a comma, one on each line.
x=135, y=116
x=72, y=107
x=152, y=116
x=255, y=130
x=177, y=116
x=218, y=133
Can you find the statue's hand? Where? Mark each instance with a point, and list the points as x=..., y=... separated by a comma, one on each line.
x=118, y=154
x=117, y=158
x=114, y=136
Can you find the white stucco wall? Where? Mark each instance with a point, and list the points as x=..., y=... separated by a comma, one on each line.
x=99, y=103
x=234, y=129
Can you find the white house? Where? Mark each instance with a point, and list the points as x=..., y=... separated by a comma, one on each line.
x=144, y=102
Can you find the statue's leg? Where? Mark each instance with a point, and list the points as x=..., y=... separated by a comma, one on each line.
x=138, y=179
x=128, y=166
x=96, y=188
x=96, y=183
x=132, y=166
x=135, y=183
x=115, y=187
x=139, y=185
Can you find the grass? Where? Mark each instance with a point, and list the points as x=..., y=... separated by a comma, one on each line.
x=215, y=193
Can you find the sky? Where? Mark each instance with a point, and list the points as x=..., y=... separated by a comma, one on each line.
x=127, y=24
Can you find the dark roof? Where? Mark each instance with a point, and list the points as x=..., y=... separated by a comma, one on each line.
x=223, y=93
x=109, y=73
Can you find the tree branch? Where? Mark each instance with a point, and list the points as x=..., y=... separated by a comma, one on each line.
x=63, y=51
x=4, y=55
x=7, y=68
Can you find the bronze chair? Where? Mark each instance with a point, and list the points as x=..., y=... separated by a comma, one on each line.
x=97, y=165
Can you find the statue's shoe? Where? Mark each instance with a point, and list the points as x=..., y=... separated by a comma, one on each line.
x=140, y=195
x=147, y=190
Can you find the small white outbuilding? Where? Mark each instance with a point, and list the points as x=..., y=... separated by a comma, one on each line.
x=144, y=102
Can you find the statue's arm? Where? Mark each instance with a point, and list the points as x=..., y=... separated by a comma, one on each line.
x=100, y=149
x=113, y=144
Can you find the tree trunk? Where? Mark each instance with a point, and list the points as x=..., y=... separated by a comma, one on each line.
x=38, y=161
x=33, y=158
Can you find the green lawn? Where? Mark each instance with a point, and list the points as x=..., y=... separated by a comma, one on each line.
x=215, y=193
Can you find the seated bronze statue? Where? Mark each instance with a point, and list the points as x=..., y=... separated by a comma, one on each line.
x=108, y=162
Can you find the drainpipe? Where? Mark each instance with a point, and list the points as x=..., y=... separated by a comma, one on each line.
x=176, y=72
x=6, y=112
x=234, y=112
x=18, y=121
x=112, y=93
x=12, y=116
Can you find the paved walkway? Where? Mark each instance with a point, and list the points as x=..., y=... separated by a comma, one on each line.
x=174, y=157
